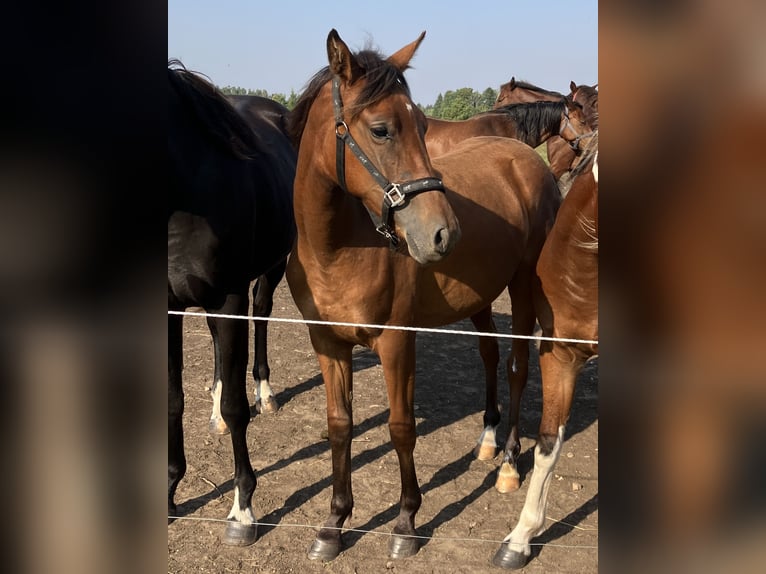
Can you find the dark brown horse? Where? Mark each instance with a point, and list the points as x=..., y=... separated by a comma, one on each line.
x=388, y=237
x=230, y=220
x=566, y=303
x=264, y=116
x=532, y=123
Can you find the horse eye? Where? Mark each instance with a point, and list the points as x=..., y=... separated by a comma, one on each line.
x=379, y=132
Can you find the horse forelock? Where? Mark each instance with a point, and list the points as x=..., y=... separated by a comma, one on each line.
x=213, y=111
x=381, y=78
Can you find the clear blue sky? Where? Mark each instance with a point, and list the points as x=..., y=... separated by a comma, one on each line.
x=278, y=45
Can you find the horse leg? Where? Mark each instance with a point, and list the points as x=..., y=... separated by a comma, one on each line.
x=263, y=303
x=217, y=424
x=335, y=362
x=523, y=318
x=486, y=447
x=176, y=457
x=559, y=369
x=232, y=337
x=397, y=355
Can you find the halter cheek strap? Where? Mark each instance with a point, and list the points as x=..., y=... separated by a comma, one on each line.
x=395, y=195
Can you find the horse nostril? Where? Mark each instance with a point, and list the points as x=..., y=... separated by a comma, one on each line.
x=441, y=240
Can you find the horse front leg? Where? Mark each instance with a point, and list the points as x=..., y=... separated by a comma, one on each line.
x=397, y=355
x=216, y=425
x=176, y=457
x=335, y=362
x=232, y=335
x=559, y=370
x=263, y=303
x=523, y=323
x=486, y=447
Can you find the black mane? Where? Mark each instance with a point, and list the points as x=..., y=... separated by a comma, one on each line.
x=530, y=117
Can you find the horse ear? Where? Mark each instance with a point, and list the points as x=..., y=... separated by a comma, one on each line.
x=512, y=82
x=342, y=61
x=401, y=59
x=572, y=87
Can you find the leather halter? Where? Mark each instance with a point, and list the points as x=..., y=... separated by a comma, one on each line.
x=395, y=195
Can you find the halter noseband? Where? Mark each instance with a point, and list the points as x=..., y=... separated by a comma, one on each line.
x=395, y=195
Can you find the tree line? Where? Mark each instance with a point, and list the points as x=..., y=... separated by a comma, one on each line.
x=457, y=104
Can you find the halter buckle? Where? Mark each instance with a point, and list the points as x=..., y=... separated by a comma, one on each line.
x=389, y=234
x=393, y=195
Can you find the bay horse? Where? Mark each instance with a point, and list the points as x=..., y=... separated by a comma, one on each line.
x=387, y=236
x=560, y=153
x=566, y=304
x=518, y=92
x=230, y=220
x=532, y=123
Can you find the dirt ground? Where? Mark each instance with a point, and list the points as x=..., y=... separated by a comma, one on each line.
x=463, y=515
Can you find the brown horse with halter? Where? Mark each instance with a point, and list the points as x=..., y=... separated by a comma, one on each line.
x=561, y=154
x=566, y=303
x=532, y=123
x=389, y=238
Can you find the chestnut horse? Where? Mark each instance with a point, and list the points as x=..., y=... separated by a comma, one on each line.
x=230, y=220
x=566, y=304
x=532, y=123
x=388, y=237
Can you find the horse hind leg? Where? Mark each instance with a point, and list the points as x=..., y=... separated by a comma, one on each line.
x=523, y=323
x=263, y=303
x=559, y=371
x=487, y=445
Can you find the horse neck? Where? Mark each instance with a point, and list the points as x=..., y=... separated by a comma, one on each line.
x=545, y=128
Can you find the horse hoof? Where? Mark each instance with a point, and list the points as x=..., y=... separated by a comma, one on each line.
x=238, y=534
x=484, y=452
x=402, y=547
x=268, y=405
x=507, y=479
x=509, y=559
x=218, y=426
x=323, y=550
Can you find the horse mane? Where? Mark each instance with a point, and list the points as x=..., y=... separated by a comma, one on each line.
x=381, y=79
x=530, y=116
x=213, y=111
x=533, y=88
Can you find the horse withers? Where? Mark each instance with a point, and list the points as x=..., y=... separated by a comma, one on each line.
x=387, y=236
x=230, y=220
